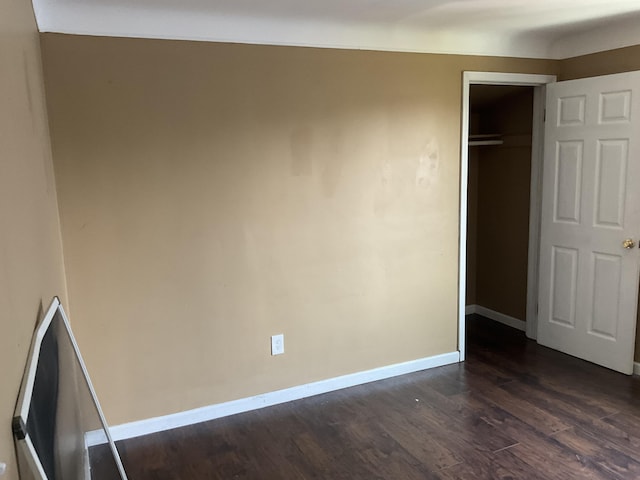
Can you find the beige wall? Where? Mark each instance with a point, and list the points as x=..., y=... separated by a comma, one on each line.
x=31, y=270
x=604, y=63
x=212, y=195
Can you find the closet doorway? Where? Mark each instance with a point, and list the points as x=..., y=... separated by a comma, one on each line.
x=500, y=186
x=498, y=201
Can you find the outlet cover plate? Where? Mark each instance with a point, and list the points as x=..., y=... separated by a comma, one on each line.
x=277, y=344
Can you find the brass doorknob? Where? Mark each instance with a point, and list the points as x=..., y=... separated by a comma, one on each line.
x=628, y=243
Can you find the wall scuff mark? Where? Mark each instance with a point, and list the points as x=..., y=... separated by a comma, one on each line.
x=428, y=165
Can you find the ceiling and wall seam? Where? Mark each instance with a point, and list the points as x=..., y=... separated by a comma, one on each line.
x=546, y=29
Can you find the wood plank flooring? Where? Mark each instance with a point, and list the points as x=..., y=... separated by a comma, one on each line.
x=513, y=410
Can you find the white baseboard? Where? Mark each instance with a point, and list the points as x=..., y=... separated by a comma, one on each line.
x=636, y=368
x=211, y=412
x=497, y=316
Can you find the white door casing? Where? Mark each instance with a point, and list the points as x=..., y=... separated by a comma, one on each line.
x=588, y=282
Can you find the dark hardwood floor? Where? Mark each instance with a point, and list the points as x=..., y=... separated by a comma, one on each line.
x=513, y=410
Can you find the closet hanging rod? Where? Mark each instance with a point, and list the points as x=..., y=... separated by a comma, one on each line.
x=484, y=135
x=485, y=139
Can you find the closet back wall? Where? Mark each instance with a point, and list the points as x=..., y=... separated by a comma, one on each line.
x=503, y=186
x=212, y=195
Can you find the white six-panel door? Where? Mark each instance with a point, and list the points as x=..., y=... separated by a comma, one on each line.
x=588, y=290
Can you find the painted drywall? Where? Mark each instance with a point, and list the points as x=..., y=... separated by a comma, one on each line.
x=31, y=266
x=212, y=195
x=605, y=63
x=502, y=211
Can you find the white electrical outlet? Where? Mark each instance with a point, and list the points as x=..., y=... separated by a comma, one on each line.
x=277, y=344
x=3, y=468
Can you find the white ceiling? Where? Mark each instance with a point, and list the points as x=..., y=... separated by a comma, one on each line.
x=526, y=28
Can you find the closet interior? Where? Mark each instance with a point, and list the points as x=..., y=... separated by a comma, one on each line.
x=500, y=139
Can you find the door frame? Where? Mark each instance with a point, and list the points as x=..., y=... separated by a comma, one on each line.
x=537, y=150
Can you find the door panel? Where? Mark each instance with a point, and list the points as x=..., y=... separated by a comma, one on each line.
x=611, y=182
x=605, y=293
x=568, y=182
x=588, y=282
x=564, y=279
